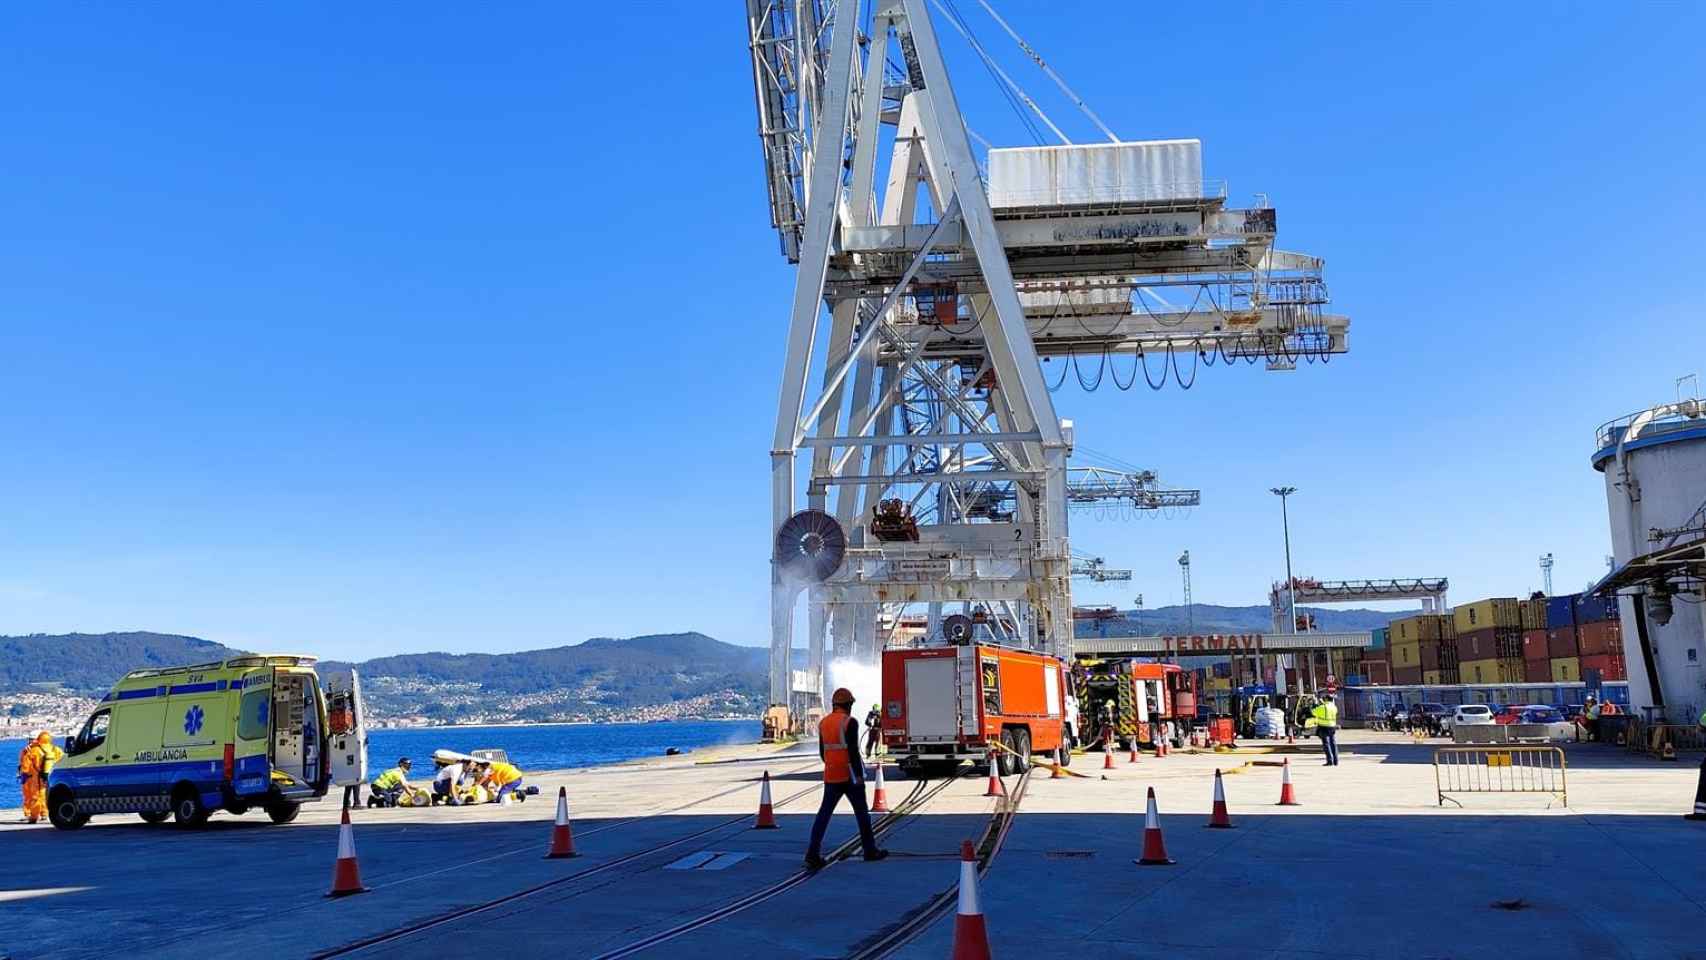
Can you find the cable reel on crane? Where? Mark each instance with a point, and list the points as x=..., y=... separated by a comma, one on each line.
x=957, y=629
x=810, y=546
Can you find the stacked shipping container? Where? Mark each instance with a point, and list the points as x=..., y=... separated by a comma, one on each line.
x=1490, y=640
x=1599, y=636
x=1498, y=640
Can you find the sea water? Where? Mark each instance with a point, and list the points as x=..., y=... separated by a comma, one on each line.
x=548, y=746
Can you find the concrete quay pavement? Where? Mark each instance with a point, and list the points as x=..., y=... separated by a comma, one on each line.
x=1368, y=865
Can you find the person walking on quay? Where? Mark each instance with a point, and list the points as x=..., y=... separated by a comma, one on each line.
x=1325, y=719
x=843, y=776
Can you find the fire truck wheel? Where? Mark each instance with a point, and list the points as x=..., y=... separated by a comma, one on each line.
x=1004, y=758
x=1022, y=746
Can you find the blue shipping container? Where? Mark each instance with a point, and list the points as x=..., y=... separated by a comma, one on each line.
x=1561, y=611
x=1595, y=609
x=1380, y=634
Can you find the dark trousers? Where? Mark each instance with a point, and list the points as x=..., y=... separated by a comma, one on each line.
x=1700, y=792
x=1330, y=744
x=832, y=794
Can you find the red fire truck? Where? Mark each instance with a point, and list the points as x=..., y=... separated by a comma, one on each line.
x=945, y=705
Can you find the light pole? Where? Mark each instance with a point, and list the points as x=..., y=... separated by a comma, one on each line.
x=1290, y=582
x=1139, y=612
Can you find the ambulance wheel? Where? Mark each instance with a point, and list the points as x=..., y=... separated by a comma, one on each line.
x=154, y=816
x=1022, y=746
x=187, y=811
x=1003, y=759
x=62, y=811
x=283, y=812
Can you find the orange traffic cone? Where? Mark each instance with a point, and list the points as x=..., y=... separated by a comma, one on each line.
x=1133, y=757
x=1161, y=747
x=1154, y=848
x=1107, y=757
x=1287, y=797
x=880, y=799
x=766, y=816
x=971, y=936
x=1059, y=766
x=996, y=787
x=1219, y=817
x=346, y=875
x=562, y=838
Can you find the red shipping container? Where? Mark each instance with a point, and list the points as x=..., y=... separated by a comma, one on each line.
x=1377, y=671
x=1561, y=643
x=1537, y=671
x=1534, y=649
x=1600, y=638
x=1403, y=675
x=1475, y=645
x=1610, y=667
x=1430, y=654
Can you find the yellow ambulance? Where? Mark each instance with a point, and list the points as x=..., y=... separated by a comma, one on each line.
x=181, y=742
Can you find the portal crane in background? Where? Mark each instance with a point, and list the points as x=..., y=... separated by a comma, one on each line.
x=924, y=305
x=1430, y=590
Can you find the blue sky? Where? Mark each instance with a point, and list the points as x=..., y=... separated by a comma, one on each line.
x=371, y=331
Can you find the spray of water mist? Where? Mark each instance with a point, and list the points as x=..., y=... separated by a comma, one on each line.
x=864, y=679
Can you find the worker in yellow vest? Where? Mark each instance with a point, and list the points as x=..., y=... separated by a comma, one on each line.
x=843, y=776
x=1700, y=787
x=1325, y=720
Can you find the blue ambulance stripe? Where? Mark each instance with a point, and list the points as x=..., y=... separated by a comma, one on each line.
x=207, y=687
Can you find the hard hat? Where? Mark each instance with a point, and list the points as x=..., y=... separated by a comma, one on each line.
x=404, y=762
x=842, y=696
x=44, y=737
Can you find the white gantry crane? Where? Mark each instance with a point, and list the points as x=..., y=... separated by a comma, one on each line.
x=918, y=457
x=1430, y=590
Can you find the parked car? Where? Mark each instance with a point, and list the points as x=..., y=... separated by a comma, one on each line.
x=1542, y=714
x=1514, y=712
x=1468, y=714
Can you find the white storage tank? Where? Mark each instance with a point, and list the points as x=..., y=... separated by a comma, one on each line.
x=1654, y=463
x=1138, y=171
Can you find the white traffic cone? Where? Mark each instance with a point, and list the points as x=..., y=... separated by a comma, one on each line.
x=346, y=874
x=971, y=935
x=1154, y=848
x=766, y=815
x=1219, y=817
x=880, y=798
x=562, y=838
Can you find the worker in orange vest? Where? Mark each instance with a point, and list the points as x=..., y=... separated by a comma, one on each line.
x=843, y=776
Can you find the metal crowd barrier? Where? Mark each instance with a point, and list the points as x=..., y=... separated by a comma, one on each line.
x=1500, y=769
x=1653, y=739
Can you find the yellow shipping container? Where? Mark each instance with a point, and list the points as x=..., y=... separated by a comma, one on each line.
x=1494, y=612
x=1422, y=626
x=1433, y=677
x=1566, y=669
x=1480, y=671
x=1408, y=654
x=1533, y=614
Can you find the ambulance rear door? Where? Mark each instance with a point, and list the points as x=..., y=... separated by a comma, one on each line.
x=346, y=727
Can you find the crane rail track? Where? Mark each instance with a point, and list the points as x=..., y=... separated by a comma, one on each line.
x=920, y=794
x=409, y=930
x=988, y=845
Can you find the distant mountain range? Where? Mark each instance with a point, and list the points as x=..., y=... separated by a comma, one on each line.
x=652, y=677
